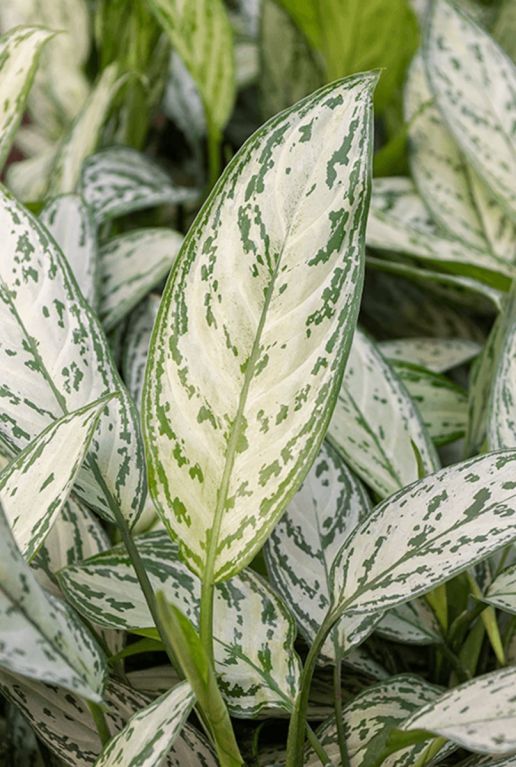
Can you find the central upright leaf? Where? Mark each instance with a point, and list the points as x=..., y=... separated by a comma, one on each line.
x=255, y=325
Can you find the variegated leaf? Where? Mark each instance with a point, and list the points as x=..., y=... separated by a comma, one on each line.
x=41, y=637
x=464, y=64
x=426, y=533
x=451, y=189
x=501, y=415
x=289, y=69
x=136, y=345
x=436, y=354
x=148, y=735
x=302, y=546
x=399, y=221
x=20, y=50
x=375, y=424
x=200, y=32
x=63, y=722
x=70, y=223
x=269, y=278
x=255, y=662
x=84, y=134
x=384, y=705
x=76, y=535
x=443, y=405
x=119, y=180
x=462, y=292
x=411, y=623
x=130, y=266
x=35, y=486
x=502, y=591
x=479, y=715
x=55, y=359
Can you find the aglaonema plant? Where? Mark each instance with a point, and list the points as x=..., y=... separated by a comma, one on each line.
x=253, y=510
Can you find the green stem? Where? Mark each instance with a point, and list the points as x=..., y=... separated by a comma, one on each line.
x=337, y=693
x=317, y=746
x=206, y=618
x=136, y=561
x=100, y=722
x=455, y=663
x=296, y=730
x=431, y=751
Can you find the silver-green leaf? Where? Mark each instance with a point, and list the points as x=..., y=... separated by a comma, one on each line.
x=35, y=486
x=41, y=637
x=426, y=533
x=55, y=359
x=119, y=180
x=148, y=735
x=436, y=354
x=300, y=552
x=253, y=631
x=375, y=424
x=479, y=715
x=20, y=50
x=69, y=221
x=130, y=266
x=268, y=281
x=384, y=705
x=464, y=64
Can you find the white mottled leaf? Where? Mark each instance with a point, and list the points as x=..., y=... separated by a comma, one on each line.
x=384, y=705
x=451, y=189
x=36, y=484
x=41, y=637
x=474, y=83
x=201, y=34
x=375, y=424
x=426, y=533
x=136, y=345
x=502, y=591
x=443, y=405
x=19, y=741
x=411, y=623
x=479, y=715
x=84, y=133
x=302, y=546
x=63, y=722
x=501, y=413
x=436, y=354
x=255, y=662
x=148, y=735
x=130, y=266
x=70, y=223
x=20, y=50
x=55, y=359
x=268, y=280
x=399, y=221
x=119, y=180
x=76, y=535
